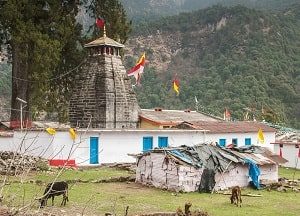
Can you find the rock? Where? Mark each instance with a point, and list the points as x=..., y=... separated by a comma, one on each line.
x=15, y=163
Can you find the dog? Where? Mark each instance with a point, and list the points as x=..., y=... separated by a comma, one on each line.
x=236, y=196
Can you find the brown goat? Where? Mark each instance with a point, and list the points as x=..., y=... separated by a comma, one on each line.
x=236, y=196
x=55, y=189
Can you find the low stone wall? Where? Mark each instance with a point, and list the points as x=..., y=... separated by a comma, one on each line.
x=14, y=163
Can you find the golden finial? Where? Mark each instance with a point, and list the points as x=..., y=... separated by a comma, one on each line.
x=104, y=31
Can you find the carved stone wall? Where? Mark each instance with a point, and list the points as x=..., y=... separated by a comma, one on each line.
x=103, y=95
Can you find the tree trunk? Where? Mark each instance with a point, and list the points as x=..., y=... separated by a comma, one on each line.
x=20, y=84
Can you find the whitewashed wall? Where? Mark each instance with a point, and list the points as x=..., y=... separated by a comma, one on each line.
x=289, y=152
x=114, y=145
x=237, y=176
x=152, y=169
x=269, y=138
x=240, y=176
x=6, y=143
x=269, y=173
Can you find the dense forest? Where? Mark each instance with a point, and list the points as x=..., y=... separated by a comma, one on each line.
x=239, y=58
x=145, y=10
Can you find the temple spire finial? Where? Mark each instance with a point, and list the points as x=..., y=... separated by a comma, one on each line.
x=104, y=31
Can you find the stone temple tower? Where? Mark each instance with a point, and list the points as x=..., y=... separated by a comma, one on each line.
x=103, y=94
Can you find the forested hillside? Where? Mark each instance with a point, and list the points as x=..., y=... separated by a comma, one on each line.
x=144, y=10
x=239, y=58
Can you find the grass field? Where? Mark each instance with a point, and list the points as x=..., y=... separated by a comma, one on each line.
x=98, y=198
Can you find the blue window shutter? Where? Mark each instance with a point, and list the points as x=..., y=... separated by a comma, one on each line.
x=147, y=143
x=222, y=142
x=247, y=141
x=235, y=141
x=163, y=142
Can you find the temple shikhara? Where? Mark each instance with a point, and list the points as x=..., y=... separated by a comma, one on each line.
x=103, y=95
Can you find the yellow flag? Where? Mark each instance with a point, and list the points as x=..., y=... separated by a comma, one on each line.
x=260, y=136
x=72, y=133
x=51, y=131
x=176, y=86
x=142, y=59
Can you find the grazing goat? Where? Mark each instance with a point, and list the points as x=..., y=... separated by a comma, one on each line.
x=236, y=196
x=55, y=189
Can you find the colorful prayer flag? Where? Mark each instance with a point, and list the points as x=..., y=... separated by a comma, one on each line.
x=51, y=131
x=100, y=22
x=227, y=115
x=138, y=69
x=260, y=136
x=176, y=85
x=72, y=133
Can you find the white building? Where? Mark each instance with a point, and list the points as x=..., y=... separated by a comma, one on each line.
x=287, y=145
x=97, y=146
x=205, y=168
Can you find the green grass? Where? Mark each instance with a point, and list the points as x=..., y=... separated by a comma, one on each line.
x=289, y=173
x=74, y=174
x=93, y=198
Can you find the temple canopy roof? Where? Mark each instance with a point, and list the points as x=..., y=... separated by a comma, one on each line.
x=104, y=41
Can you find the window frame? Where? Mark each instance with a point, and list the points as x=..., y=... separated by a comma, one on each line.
x=160, y=138
x=248, y=141
x=223, y=142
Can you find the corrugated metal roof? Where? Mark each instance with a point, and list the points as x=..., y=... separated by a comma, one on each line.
x=174, y=117
x=288, y=136
x=257, y=154
x=231, y=127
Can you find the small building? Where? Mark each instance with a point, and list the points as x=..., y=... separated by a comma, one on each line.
x=287, y=145
x=159, y=118
x=205, y=168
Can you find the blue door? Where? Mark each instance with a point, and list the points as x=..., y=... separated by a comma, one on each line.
x=94, y=149
x=147, y=143
x=162, y=142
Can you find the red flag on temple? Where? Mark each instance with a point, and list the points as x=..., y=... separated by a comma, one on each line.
x=100, y=22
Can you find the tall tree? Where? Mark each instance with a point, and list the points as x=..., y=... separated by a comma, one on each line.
x=40, y=35
x=117, y=25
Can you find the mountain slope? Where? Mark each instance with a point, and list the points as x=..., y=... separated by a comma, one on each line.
x=153, y=9
x=239, y=58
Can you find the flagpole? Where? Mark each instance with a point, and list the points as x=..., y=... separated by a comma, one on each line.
x=104, y=31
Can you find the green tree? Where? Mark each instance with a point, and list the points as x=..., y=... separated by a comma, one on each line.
x=40, y=36
x=117, y=25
